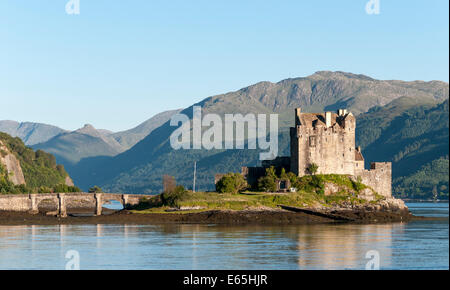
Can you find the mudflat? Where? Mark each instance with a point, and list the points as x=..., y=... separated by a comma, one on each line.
x=207, y=217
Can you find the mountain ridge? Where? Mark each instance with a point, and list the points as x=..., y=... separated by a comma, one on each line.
x=136, y=170
x=30, y=133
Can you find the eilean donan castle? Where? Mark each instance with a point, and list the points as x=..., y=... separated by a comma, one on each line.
x=328, y=140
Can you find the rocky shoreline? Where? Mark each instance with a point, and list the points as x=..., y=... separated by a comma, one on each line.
x=388, y=210
x=272, y=217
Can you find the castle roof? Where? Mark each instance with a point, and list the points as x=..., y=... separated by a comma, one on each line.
x=358, y=156
x=319, y=119
x=314, y=119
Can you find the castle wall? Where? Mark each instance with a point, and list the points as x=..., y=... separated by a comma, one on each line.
x=379, y=177
x=253, y=174
x=332, y=148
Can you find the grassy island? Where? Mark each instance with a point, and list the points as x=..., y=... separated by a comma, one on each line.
x=316, y=191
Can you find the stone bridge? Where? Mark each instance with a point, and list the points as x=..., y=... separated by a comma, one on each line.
x=61, y=201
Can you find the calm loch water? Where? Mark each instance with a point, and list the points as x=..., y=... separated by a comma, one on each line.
x=415, y=245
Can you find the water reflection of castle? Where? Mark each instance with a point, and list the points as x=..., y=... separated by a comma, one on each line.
x=198, y=246
x=344, y=246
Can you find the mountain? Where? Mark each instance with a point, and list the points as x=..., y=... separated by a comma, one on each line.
x=415, y=141
x=71, y=147
x=322, y=91
x=30, y=133
x=140, y=169
x=23, y=170
x=130, y=137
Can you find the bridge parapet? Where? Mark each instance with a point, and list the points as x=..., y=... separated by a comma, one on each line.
x=30, y=202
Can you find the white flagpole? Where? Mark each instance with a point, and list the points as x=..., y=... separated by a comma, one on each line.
x=195, y=172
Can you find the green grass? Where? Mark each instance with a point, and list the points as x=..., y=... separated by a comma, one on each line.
x=257, y=200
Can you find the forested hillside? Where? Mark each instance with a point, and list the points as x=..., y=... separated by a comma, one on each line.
x=415, y=141
x=40, y=171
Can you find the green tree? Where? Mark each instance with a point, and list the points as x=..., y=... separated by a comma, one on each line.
x=95, y=189
x=231, y=183
x=268, y=183
x=173, y=198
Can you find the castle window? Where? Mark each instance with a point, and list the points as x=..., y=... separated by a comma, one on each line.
x=312, y=141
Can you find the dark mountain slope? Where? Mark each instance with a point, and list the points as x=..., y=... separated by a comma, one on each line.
x=415, y=141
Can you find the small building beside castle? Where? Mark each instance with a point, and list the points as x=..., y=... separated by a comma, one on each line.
x=328, y=140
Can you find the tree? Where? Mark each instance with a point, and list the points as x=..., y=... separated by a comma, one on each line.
x=268, y=183
x=312, y=168
x=169, y=183
x=284, y=175
x=231, y=183
x=95, y=189
x=173, y=198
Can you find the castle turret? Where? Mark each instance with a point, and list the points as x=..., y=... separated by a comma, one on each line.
x=328, y=119
x=298, y=112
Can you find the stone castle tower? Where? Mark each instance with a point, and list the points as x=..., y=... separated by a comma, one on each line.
x=328, y=140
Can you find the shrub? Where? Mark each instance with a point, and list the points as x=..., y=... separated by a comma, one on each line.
x=95, y=189
x=358, y=185
x=173, y=198
x=44, y=189
x=65, y=188
x=318, y=183
x=312, y=168
x=231, y=183
x=268, y=183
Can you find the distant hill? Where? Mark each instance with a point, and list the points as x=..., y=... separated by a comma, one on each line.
x=30, y=133
x=71, y=147
x=322, y=91
x=130, y=137
x=139, y=170
x=23, y=170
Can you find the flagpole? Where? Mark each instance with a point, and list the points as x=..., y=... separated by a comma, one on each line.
x=195, y=173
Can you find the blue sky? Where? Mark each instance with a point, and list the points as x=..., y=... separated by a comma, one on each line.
x=118, y=63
